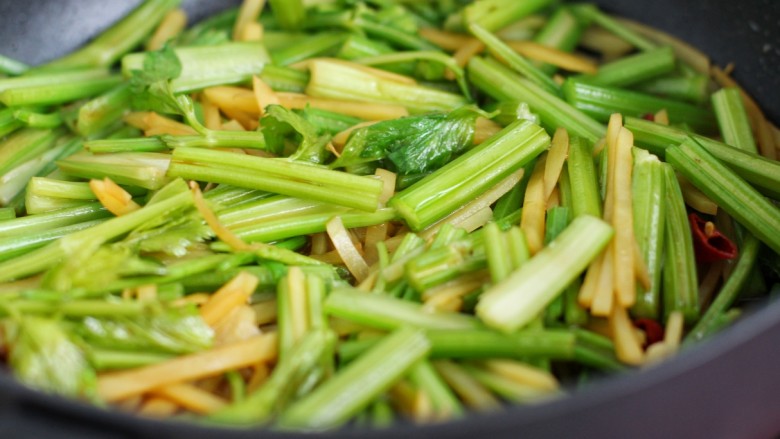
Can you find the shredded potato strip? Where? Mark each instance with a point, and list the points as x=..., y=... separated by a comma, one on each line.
x=115, y=386
x=192, y=398
x=157, y=407
x=565, y=60
x=248, y=13
x=627, y=345
x=556, y=157
x=232, y=295
x=485, y=129
x=534, y=208
x=623, y=221
x=115, y=199
x=352, y=258
x=173, y=23
x=211, y=117
x=264, y=94
x=219, y=229
x=524, y=374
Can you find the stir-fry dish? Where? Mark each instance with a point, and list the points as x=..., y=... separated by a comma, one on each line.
x=316, y=214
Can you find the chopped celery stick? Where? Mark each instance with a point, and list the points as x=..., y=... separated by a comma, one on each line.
x=518, y=299
x=353, y=388
x=206, y=66
x=142, y=169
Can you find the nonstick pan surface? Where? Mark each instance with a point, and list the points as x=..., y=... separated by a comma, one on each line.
x=728, y=387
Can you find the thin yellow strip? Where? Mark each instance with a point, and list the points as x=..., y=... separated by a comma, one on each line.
x=172, y=24
x=231, y=295
x=556, y=157
x=627, y=346
x=115, y=386
x=623, y=222
x=192, y=398
x=249, y=12
x=264, y=95
x=534, y=208
x=352, y=258
x=565, y=60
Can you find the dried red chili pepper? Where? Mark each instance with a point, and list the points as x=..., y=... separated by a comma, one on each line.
x=653, y=330
x=710, y=245
x=649, y=116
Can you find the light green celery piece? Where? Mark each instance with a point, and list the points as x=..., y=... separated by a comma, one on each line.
x=581, y=170
x=470, y=175
x=761, y=172
x=43, y=79
x=103, y=360
x=10, y=66
x=103, y=111
x=58, y=92
x=206, y=66
x=733, y=194
x=142, y=169
x=307, y=223
x=633, y=69
x=46, y=257
x=290, y=14
x=354, y=387
x=514, y=302
x=501, y=83
x=496, y=14
x=7, y=213
x=649, y=199
x=13, y=182
x=13, y=246
x=44, y=357
x=733, y=119
x=25, y=145
x=386, y=312
x=337, y=80
x=277, y=175
x=425, y=377
x=34, y=224
x=516, y=61
x=36, y=119
x=680, y=283
x=117, y=40
x=593, y=13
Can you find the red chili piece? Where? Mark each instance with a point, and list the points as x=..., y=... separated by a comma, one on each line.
x=654, y=332
x=710, y=245
x=649, y=116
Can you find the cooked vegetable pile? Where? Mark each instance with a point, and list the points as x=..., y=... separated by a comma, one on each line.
x=311, y=214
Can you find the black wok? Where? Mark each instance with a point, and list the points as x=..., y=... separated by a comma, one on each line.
x=728, y=387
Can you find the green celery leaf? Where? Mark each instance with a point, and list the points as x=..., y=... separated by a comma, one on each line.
x=150, y=86
x=44, y=356
x=175, y=330
x=414, y=145
x=173, y=234
x=280, y=124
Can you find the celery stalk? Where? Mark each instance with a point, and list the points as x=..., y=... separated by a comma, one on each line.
x=518, y=299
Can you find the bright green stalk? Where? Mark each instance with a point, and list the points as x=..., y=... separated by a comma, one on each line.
x=680, y=284
x=497, y=250
x=496, y=14
x=340, y=81
x=305, y=224
x=514, y=302
x=503, y=84
x=34, y=224
x=385, y=312
x=35, y=119
x=140, y=144
x=45, y=194
x=142, y=169
x=277, y=175
x=601, y=102
x=287, y=378
x=14, y=246
x=290, y=14
x=122, y=37
x=8, y=123
x=25, y=145
x=11, y=66
x=356, y=385
x=733, y=194
x=733, y=119
x=102, y=359
x=287, y=79
x=7, y=213
x=562, y=31
x=649, y=199
x=43, y=79
x=444, y=401
x=592, y=13
x=557, y=221
x=217, y=139
x=429, y=55
x=58, y=92
x=392, y=35
x=709, y=322
x=13, y=182
x=314, y=46
x=103, y=111
x=761, y=172
x=692, y=89
x=521, y=65
x=206, y=66
x=582, y=176
x=470, y=175
x=485, y=344
x=633, y=69
x=46, y=257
